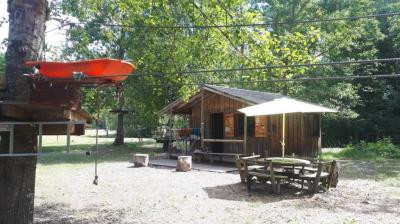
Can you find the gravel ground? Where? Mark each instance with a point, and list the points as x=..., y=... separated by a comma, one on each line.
x=65, y=194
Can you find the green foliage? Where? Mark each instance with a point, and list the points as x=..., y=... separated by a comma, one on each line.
x=168, y=50
x=368, y=109
x=383, y=148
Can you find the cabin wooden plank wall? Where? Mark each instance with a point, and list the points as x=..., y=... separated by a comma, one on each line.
x=215, y=103
x=312, y=134
x=302, y=135
x=302, y=130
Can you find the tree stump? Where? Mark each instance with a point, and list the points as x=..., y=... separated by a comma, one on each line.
x=184, y=163
x=334, y=174
x=141, y=160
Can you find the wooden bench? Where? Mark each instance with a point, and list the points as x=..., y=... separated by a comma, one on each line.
x=326, y=173
x=268, y=173
x=240, y=165
x=196, y=155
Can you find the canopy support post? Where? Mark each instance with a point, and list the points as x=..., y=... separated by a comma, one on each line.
x=283, y=134
x=319, y=152
x=245, y=135
x=202, y=119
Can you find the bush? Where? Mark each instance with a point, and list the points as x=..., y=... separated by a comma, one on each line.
x=382, y=148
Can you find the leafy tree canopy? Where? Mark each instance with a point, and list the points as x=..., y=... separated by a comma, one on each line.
x=168, y=50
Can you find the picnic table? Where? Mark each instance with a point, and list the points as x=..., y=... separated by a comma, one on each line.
x=295, y=168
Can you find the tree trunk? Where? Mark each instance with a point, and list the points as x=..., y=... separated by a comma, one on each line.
x=25, y=38
x=17, y=174
x=119, y=137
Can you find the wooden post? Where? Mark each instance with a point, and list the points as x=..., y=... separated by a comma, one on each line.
x=245, y=135
x=320, y=136
x=40, y=138
x=303, y=147
x=283, y=134
x=11, y=139
x=68, y=137
x=202, y=119
x=170, y=132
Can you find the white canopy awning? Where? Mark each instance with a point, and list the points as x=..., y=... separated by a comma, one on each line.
x=283, y=106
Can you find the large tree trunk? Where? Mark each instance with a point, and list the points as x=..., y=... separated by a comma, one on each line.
x=17, y=178
x=119, y=137
x=17, y=174
x=25, y=38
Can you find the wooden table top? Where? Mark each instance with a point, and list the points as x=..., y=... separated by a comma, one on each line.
x=288, y=161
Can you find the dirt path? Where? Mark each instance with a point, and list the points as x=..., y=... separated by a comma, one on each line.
x=152, y=195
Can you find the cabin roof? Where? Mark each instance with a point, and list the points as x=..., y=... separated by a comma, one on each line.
x=249, y=97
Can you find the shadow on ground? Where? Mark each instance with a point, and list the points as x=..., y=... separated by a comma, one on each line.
x=259, y=193
x=61, y=213
x=346, y=198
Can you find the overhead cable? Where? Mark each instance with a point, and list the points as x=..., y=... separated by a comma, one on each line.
x=368, y=61
x=305, y=79
x=217, y=26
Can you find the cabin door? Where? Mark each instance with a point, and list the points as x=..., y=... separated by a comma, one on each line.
x=217, y=131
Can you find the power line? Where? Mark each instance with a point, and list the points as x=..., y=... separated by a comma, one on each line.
x=350, y=77
x=58, y=28
x=274, y=67
x=217, y=26
x=282, y=80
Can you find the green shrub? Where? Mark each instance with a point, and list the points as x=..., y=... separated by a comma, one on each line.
x=383, y=148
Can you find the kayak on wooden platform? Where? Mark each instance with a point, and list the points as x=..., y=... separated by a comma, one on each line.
x=107, y=69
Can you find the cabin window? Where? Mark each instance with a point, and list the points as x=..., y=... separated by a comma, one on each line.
x=261, y=126
x=239, y=123
x=239, y=126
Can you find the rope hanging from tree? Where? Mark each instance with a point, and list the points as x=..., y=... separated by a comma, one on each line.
x=96, y=177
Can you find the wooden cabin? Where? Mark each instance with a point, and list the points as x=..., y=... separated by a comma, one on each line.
x=214, y=109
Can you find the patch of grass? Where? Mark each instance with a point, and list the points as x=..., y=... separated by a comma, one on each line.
x=385, y=170
x=54, y=150
x=379, y=150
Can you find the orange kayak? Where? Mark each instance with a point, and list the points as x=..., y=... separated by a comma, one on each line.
x=107, y=69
